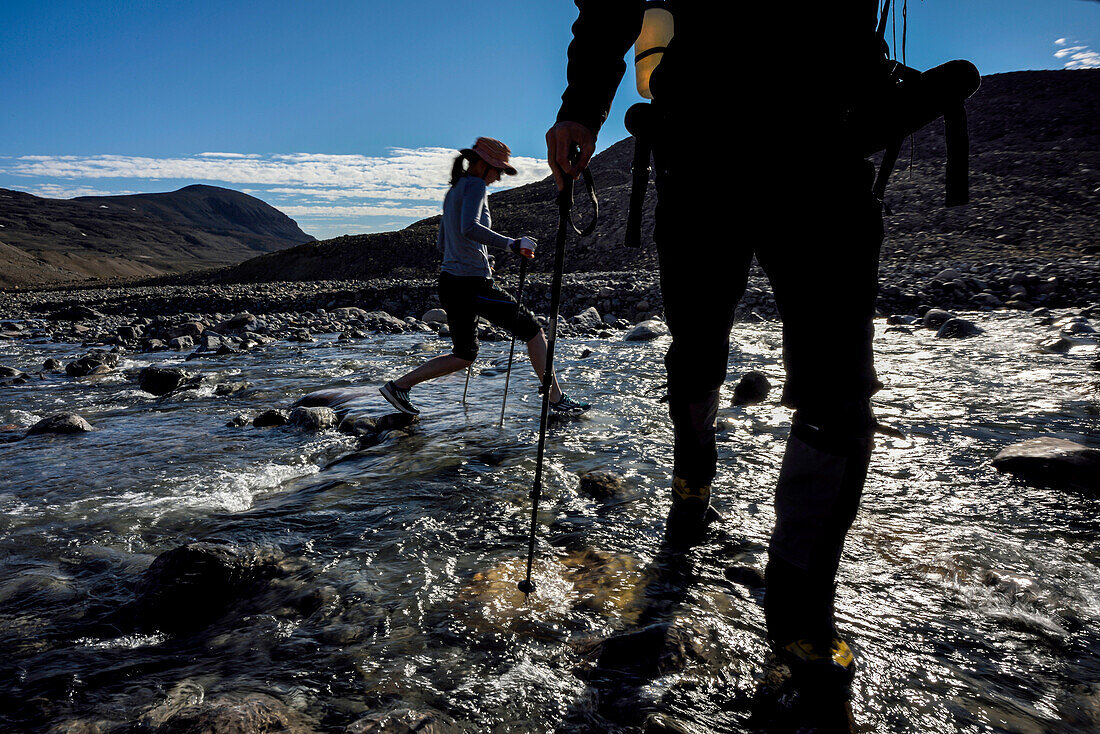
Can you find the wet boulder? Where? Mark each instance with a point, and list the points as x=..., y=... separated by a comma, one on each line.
x=269, y=418
x=60, y=423
x=313, y=418
x=405, y=721
x=901, y=320
x=238, y=421
x=129, y=333
x=934, y=318
x=646, y=331
x=193, y=584
x=10, y=372
x=957, y=328
x=93, y=363
x=160, y=380
x=751, y=389
x=358, y=425
x=601, y=485
x=1055, y=345
x=1052, y=461
x=238, y=713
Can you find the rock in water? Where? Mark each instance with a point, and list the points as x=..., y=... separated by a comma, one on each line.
x=239, y=713
x=10, y=372
x=92, y=363
x=190, y=585
x=587, y=319
x=270, y=418
x=646, y=330
x=957, y=329
x=160, y=380
x=934, y=318
x=60, y=423
x=601, y=484
x=752, y=389
x=1052, y=461
x=404, y=721
x=313, y=418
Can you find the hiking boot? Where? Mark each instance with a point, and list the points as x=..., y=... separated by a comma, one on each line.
x=398, y=398
x=568, y=406
x=690, y=514
x=827, y=660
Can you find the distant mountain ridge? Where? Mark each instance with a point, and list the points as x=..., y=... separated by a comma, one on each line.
x=44, y=241
x=1035, y=162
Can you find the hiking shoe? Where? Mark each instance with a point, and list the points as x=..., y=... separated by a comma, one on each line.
x=398, y=398
x=568, y=406
x=828, y=660
x=690, y=514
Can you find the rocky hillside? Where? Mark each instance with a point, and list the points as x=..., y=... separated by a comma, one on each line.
x=1035, y=159
x=45, y=241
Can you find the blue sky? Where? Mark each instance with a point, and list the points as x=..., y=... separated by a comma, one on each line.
x=345, y=114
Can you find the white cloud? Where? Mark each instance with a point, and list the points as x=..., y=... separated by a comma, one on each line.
x=388, y=209
x=391, y=176
x=338, y=191
x=1079, y=56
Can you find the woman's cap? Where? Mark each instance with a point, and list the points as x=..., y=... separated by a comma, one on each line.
x=493, y=152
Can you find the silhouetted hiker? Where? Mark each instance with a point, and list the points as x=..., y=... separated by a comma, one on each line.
x=466, y=288
x=753, y=158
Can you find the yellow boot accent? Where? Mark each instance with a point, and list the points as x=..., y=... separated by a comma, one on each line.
x=681, y=490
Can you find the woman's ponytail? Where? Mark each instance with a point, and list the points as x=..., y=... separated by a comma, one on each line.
x=458, y=171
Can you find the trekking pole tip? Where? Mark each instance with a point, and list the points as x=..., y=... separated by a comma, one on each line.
x=527, y=586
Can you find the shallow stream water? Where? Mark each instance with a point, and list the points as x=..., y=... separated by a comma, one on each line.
x=972, y=600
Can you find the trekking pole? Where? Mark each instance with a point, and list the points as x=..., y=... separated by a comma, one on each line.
x=565, y=204
x=512, y=349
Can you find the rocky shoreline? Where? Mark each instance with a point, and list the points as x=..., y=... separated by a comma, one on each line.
x=905, y=288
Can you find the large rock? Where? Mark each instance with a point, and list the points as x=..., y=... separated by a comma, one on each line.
x=957, y=328
x=243, y=321
x=404, y=721
x=160, y=380
x=601, y=485
x=753, y=388
x=60, y=423
x=382, y=321
x=10, y=372
x=191, y=585
x=239, y=713
x=313, y=418
x=93, y=363
x=1052, y=461
x=934, y=318
x=435, y=316
x=75, y=313
x=269, y=418
x=646, y=330
x=588, y=319
x=190, y=328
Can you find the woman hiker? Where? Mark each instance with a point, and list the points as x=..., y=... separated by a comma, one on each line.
x=466, y=288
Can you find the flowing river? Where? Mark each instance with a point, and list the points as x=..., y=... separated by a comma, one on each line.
x=972, y=600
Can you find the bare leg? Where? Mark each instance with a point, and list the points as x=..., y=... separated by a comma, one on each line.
x=444, y=364
x=536, y=350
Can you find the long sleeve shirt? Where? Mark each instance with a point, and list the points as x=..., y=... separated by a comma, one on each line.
x=465, y=231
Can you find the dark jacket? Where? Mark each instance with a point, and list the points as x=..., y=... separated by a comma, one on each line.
x=780, y=67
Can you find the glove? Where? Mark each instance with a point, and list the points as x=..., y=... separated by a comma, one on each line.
x=523, y=247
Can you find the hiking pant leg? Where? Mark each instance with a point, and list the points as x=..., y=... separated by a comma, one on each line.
x=826, y=297
x=703, y=275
